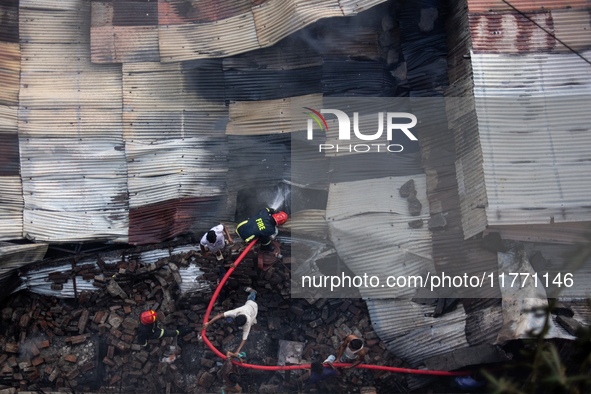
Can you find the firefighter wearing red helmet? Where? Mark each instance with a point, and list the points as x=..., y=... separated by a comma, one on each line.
x=148, y=329
x=262, y=226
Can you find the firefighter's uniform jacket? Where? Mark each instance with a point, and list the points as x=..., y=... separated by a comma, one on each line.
x=146, y=332
x=259, y=226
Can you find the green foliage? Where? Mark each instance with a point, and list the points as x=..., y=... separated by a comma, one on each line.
x=544, y=371
x=543, y=367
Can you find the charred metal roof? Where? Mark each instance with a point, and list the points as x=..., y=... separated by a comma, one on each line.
x=411, y=334
x=503, y=158
x=13, y=257
x=372, y=212
x=171, y=31
x=524, y=5
x=11, y=198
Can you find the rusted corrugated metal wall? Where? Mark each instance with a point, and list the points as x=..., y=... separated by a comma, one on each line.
x=515, y=60
x=71, y=148
x=173, y=30
x=422, y=25
x=524, y=5
x=139, y=153
x=174, y=116
x=11, y=199
x=124, y=32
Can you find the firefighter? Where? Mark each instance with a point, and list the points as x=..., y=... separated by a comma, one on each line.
x=262, y=226
x=149, y=330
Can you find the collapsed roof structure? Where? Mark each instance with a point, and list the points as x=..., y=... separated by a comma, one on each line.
x=134, y=122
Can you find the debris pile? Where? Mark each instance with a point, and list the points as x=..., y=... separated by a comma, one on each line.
x=89, y=343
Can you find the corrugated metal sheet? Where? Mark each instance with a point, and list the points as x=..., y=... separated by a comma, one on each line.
x=582, y=311
x=153, y=223
x=174, y=12
x=484, y=323
x=459, y=42
x=424, y=47
x=289, y=54
x=371, y=213
x=463, y=87
x=11, y=199
x=525, y=5
x=9, y=25
x=451, y=253
x=174, y=120
x=176, y=169
x=308, y=171
x=50, y=4
x=36, y=279
x=479, y=170
x=557, y=260
x=70, y=123
x=11, y=208
x=534, y=155
x=158, y=125
x=268, y=117
x=411, y=335
x=39, y=26
x=469, y=167
x=15, y=256
x=352, y=7
x=573, y=26
x=366, y=166
x=62, y=227
x=10, y=65
x=9, y=156
x=486, y=68
x=255, y=85
x=80, y=196
x=226, y=37
x=189, y=86
x=517, y=324
x=124, y=44
x=196, y=29
x=355, y=78
x=276, y=19
x=70, y=188
x=11, y=192
x=310, y=222
x=135, y=13
x=12, y=257
x=554, y=233
x=344, y=39
x=510, y=32
x=56, y=68
x=258, y=160
x=173, y=100
x=124, y=32
x=75, y=179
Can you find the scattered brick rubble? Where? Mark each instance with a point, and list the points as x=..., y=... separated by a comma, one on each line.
x=89, y=344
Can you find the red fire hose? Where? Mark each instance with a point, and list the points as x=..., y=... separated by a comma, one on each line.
x=292, y=367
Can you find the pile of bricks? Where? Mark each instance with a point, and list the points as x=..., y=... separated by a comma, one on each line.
x=91, y=341
x=89, y=344
x=320, y=323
